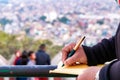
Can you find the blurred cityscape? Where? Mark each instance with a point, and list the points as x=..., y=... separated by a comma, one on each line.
x=60, y=21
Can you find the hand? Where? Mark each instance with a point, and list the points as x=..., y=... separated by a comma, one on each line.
x=79, y=55
x=89, y=74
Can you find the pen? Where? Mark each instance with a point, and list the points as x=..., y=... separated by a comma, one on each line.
x=75, y=48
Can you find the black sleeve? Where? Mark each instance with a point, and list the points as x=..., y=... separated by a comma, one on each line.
x=110, y=72
x=115, y=71
x=101, y=52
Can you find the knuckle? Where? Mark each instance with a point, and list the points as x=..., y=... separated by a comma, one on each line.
x=73, y=59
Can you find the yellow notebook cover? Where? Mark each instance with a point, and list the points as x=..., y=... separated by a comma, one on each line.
x=74, y=70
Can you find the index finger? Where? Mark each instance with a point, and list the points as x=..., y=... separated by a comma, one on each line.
x=66, y=50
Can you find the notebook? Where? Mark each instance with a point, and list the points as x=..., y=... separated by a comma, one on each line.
x=74, y=70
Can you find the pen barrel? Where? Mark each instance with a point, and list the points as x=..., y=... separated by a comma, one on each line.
x=78, y=43
x=71, y=53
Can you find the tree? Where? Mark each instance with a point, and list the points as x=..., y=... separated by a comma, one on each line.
x=9, y=45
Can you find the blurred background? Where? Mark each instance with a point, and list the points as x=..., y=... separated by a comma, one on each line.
x=25, y=24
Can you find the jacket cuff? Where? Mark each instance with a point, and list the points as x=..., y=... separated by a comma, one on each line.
x=105, y=72
x=90, y=57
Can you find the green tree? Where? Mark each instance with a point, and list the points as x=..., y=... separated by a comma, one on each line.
x=9, y=44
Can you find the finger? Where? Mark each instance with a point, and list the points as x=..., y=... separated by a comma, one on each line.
x=66, y=50
x=72, y=60
x=73, y=64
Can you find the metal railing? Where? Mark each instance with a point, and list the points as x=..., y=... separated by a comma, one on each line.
x=30, y=71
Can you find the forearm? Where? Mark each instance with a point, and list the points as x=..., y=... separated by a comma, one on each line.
x=101, y=52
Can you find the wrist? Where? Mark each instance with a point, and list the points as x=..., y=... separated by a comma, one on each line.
x=83, y=59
